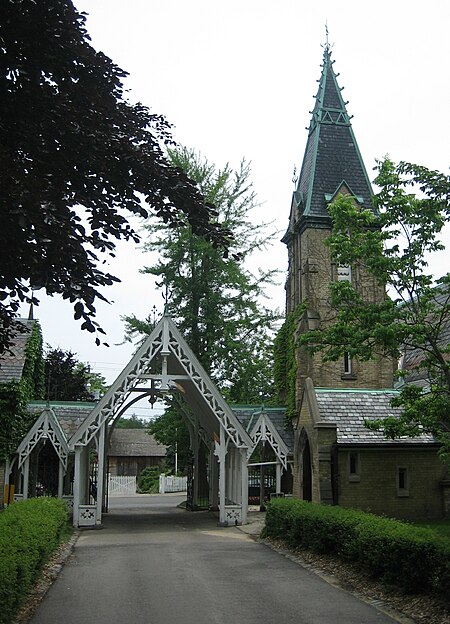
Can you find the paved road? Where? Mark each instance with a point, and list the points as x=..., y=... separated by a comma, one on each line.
x=154, y=563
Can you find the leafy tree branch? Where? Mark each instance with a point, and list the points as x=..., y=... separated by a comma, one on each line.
x=391, y=244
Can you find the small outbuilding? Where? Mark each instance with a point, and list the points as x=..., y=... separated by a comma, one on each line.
x=132, y=450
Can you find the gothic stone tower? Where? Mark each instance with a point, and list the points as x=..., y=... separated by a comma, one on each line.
x=332, y=165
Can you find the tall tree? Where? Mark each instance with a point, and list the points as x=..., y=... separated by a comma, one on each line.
x=77, y=159
x=67, y=379
x=393, y=244
x=215, y=300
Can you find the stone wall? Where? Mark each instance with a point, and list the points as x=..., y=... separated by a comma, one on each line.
x=321, y=439
x=316, y=271
x=375, y=488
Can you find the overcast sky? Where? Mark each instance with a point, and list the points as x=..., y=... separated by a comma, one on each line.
x=237, y=79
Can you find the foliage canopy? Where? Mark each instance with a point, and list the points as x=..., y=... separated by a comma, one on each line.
x=77, y=160
x=412, y=324
x=67, y=379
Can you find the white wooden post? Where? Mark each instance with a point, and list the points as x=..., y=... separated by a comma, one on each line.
x=213, y=480
x=244, y=484
x=76, y=485
x=221, y=453
x=100, y=473
x=278, y=479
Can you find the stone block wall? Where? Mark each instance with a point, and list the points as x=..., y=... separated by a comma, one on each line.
x=316, y=271
x=376, y=489
x=321, y=440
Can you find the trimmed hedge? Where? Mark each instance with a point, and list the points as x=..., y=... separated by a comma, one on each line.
x=30, y=531
x=148, y=481
x=414, y=558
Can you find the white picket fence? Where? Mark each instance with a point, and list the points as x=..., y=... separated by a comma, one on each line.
x=121, y=486
x=168, y=483
x=126, y=486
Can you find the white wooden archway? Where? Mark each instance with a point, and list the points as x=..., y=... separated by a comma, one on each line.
x=165, y=364
x=265, y=431
x=46, y=429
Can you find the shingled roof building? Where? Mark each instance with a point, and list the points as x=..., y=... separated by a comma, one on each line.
x=12, y=362
x=337, y=460
x=132, y=450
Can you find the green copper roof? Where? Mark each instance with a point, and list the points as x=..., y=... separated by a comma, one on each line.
x=331, y=155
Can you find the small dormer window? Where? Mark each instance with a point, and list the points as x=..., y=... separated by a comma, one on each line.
x=344, y=273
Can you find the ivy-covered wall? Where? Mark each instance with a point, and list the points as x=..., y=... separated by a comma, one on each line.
x=15, y=420
x=285, y=362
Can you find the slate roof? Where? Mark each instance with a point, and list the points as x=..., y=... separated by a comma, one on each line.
x=70, y=415
x=332, y=155
x=350, y=408
x=135, y=443
x=11, y=364
x=249, y=414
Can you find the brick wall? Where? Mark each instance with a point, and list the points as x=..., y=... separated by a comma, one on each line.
x=377, y=488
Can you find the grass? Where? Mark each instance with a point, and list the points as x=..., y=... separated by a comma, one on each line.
x=439, y=526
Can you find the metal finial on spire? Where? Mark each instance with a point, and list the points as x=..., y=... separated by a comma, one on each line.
x=327, y=45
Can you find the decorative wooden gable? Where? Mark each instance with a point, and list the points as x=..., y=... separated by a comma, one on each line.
x=165, y=364
x=46, y=427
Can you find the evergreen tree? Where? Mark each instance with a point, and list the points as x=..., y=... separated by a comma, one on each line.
x=214, y=299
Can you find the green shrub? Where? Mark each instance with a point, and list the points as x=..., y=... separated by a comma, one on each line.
x=416, y=559
x=30, y=531
x=148, y=481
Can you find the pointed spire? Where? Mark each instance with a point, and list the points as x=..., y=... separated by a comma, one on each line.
x=331, y=155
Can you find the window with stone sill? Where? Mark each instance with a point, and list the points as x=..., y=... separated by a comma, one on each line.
x=354, y=462
x=348, y=372
x=402, y=481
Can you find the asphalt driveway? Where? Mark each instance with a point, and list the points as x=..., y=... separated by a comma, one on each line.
x=154, y=563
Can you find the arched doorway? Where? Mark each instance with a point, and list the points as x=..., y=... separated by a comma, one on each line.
x=305, y=466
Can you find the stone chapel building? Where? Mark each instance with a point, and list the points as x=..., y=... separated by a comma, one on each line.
x=337, y=460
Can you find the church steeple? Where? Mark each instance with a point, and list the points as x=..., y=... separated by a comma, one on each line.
x=332, y=157
x=332, y=164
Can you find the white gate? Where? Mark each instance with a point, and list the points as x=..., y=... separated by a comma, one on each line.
x=121, y=486
x=169, y=483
